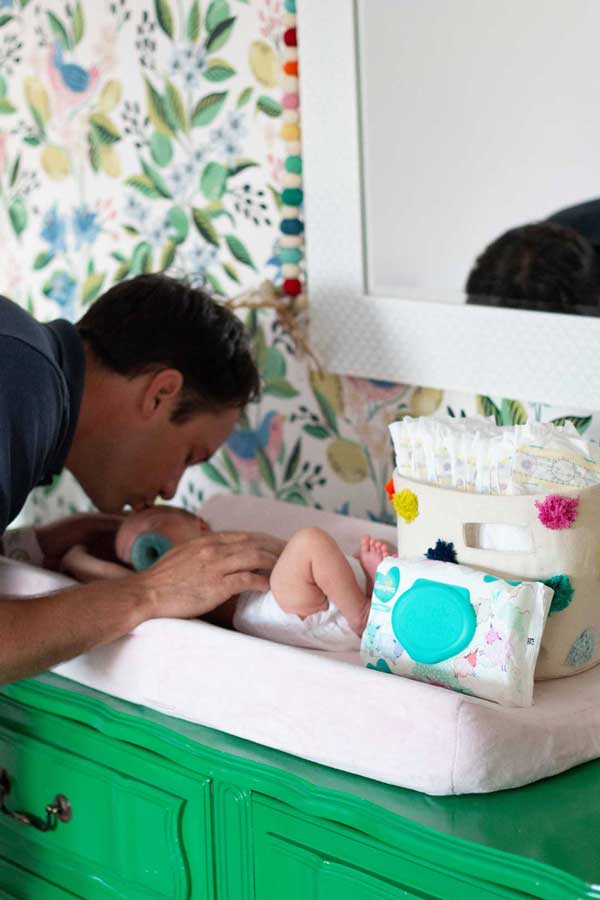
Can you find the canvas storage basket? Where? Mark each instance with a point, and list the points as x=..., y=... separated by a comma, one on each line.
x=571, y=641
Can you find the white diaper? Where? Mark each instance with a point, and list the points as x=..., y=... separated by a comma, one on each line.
x=260, y=615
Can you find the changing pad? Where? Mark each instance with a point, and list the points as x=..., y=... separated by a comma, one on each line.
x=327, y=707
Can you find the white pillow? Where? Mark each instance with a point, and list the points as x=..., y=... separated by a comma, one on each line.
x=451, y=625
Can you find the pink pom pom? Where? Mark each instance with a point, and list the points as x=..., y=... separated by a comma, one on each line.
x=557, y=512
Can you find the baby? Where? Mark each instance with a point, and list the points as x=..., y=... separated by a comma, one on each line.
x=318, y=597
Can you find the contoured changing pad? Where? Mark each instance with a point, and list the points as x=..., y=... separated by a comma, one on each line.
x=329, y=708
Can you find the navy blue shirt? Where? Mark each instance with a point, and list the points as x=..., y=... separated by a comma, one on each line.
x=42, y=370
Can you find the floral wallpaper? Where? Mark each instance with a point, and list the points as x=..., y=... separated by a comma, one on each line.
x=143, y=135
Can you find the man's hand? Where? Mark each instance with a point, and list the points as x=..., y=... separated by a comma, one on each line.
x=189, y=581
x=94, y=530
x=196, y=577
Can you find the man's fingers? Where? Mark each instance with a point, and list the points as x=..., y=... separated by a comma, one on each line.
x=267, y=541
x=249, y=560
x=222, y=546
x=245, y=581
x=223, y=559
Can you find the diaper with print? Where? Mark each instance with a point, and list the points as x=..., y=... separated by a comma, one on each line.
x=450, y=625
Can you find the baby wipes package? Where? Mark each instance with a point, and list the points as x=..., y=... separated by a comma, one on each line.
x=453, y=626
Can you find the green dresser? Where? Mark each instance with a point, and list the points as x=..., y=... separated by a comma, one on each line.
x=160, y=808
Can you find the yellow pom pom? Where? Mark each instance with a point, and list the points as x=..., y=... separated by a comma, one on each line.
x=406, y=504
x=290, y=132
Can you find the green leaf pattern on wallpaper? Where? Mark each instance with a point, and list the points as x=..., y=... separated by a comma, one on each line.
x=142, y=135
x=120, y=156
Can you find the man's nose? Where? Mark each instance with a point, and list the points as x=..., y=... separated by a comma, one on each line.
x=169, y=489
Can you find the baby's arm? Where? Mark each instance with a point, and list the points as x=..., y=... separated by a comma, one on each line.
x=177, y=525
x=79, y=563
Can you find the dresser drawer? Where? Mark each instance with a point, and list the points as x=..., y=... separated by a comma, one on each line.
x=298, y=857
x=140, y=826
x=19, y=884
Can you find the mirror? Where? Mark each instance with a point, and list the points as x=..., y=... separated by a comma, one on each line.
x=411, y=169
x=475, y=118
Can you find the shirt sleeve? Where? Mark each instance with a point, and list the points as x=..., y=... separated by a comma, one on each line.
x=32, y=408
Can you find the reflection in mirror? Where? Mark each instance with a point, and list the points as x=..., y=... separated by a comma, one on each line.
x=479, y=119
x=546, y=266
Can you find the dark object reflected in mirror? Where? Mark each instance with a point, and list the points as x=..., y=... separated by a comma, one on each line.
x=549, y=266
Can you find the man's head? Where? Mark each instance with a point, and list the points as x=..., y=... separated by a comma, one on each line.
x=168, y=372
x=544, y=266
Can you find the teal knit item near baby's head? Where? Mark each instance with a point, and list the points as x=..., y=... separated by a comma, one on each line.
x=147, y=548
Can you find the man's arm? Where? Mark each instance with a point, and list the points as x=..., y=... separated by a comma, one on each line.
x=187, y=582
x=46, y=545
x=39, y=632
x=95, y=530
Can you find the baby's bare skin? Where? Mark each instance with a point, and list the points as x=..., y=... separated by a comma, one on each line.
x=311, y=570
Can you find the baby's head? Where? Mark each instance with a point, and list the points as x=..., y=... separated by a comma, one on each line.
x=177, y=525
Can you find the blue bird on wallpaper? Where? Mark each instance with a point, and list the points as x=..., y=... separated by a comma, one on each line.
x=244, y=443
x=74, y=77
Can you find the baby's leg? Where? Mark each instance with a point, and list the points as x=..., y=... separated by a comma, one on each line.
x=312, y=569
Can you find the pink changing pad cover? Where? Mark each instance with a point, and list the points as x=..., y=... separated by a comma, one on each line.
x=327, y=707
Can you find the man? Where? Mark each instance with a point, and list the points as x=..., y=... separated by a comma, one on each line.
x=150, y=381
x=547, y=266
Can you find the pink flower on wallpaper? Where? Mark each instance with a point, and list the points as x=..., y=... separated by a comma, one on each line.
x=275, y=169
x=373, y=432
x=270, y=18
x=105, y=48
x=557, y=512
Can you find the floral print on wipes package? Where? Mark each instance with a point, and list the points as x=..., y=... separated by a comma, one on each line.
x=452, y=626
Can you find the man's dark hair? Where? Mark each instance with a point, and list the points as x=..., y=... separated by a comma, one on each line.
x=153, y=322
x=543, y=266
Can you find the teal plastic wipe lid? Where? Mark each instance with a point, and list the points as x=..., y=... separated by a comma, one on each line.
x=147, y=548
x=434, y=621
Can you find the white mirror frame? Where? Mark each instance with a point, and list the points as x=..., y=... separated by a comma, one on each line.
x=532, y=356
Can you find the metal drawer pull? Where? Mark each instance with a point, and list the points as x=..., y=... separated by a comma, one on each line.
x=59, y=810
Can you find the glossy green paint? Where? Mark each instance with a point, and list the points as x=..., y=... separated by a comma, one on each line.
x=116, y=791
x=166, y=808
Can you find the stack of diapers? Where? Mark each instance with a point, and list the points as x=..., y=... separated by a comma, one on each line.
x=474, y=454
x=453, y=626
x=521, y=504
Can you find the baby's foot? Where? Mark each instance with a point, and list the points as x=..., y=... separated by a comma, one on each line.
x=370, y=555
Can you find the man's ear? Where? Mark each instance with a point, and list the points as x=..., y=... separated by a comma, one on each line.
x=161, y=392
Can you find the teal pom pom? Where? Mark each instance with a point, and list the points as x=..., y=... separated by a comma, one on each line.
x=443, y=551
x=292, y=196
x=147, y=548
x=563, y=592
x=583, y=650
